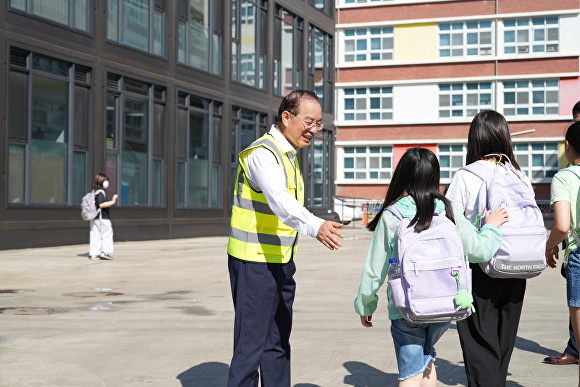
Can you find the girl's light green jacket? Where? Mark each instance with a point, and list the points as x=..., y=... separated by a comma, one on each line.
x=480, y=246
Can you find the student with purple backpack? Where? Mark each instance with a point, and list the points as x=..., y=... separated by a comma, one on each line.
x=414, y=193
x=488, y=337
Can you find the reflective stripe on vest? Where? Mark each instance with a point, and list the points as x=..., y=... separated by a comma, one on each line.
x=256, y=233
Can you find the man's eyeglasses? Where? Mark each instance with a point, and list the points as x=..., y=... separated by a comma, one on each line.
x=310, y=124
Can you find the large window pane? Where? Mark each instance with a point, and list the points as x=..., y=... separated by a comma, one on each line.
x=49, y=145
x=136, y=24
x=199, y=34
x=198, y=158
x=81, y=117
x=134, y=167
x=80, y=177
x=16, y=174
x=17, y=106
x=72, y=13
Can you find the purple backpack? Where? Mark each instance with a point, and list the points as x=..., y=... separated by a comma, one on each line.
x=522, y=251
x=434, y=269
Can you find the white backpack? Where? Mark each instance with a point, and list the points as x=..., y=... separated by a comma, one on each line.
x=522, y=251
x=89, y=210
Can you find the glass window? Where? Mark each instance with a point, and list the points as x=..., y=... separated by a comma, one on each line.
x=200, y=37
x=325, y=6
x=538, y=160
x=371, y=163
x=41, y=168
x=368, y=44
x=135, y=143
x=451, y=159
x=465, y=38
x=464, y=99
x=138, y=24
x=531, y=35
x=321, y=67
x=289, y=56
x=199, y=163
x=73, y=13
x=373, y=104
x=249, y=39
x=319, y=170
x=534, y=97
x=246, y=126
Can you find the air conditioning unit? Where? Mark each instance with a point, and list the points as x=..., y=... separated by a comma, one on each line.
x=523, y=49
x=552, y=48
x=485, y=51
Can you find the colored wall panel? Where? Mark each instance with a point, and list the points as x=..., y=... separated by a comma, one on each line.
x=569, y=95
x=399, y=151
x=416, y=42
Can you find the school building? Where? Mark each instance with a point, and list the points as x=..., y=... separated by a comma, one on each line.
x=414, y=73
x=161, y=95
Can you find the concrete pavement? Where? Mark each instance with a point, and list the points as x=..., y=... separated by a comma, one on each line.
x=160, y=314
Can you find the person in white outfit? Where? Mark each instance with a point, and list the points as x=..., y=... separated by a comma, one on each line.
x=101, y=234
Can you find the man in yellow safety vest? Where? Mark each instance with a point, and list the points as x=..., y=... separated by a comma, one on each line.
x=267, y=214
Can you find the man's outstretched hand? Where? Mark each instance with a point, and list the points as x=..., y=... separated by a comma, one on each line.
x=328, y=233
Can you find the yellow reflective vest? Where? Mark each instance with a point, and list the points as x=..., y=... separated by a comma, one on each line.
x=257, y=234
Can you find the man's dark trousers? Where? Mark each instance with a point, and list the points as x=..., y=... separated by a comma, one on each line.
x=263, y=295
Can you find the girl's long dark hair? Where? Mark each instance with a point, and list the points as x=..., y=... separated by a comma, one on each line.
x=417, y=174
x=489, y=133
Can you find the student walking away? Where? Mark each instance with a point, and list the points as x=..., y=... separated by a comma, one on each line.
x=414, y=194
x=101, y=234
x=488, y=336
x=267, y=214
x=570, y=354
x=565, y=200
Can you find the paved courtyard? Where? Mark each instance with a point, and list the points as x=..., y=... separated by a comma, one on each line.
x=160, y=314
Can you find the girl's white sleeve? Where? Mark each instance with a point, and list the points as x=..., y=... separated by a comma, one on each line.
x=457, y=191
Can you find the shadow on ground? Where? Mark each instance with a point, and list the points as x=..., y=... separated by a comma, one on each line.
x=205, y=375
x=215, y=374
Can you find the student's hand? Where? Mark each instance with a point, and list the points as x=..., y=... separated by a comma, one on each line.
x=497, y=217
x=552, y=257
x=366, y=321
x=327, y=234
x=114, y=199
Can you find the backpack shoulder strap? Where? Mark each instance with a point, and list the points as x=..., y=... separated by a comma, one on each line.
x=393, y=210
x=478, y=170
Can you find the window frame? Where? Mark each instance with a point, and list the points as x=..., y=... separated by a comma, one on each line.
x=215, y=170
x=367, y=35
x=261, y=35
x=380, y=92
x=28, y=9
x=155, y=96
x=316, y=37
x=463, y=90
x=464, y=30
x=530, y=92
x=156, y=13
x=372, y=174
x=296, y=49
x=452, y=151
x=78, y=142
x=528, y=25
x=215, y=43
x=548, y=150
